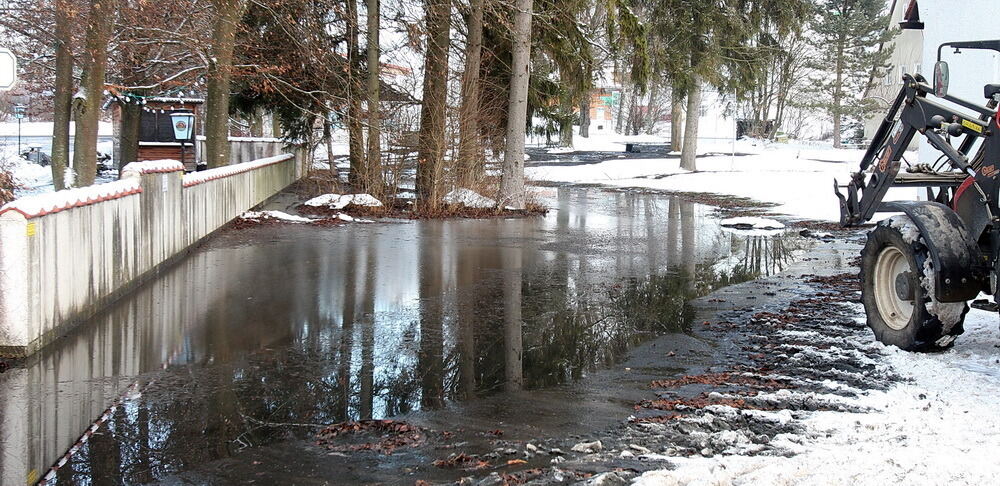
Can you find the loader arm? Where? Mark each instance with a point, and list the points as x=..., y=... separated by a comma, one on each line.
x=911, y=113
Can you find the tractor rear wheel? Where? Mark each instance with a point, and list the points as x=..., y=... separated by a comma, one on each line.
x=897, y=279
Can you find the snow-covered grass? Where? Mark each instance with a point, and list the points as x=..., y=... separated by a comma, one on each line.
x=939, y=426
x=796, y=176
x=44, y=129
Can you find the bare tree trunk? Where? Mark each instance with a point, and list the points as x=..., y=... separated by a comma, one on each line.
x=566, y=121
x=430, y=157
x=470, y=150
x=87, y=105
x=837, y=95
x=355, y=136
x=621, y=113
x=128, y=141
x=512, y=179
x=328, y=137
x=275, y=125
x=691, y=127
x=257, y=123
x=374, y=177
x=62, y=101
x=585, y=116
x=676, y=120
x=220, y=71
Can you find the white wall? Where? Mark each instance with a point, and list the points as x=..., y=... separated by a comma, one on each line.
x=948, y=20
x=65, y=255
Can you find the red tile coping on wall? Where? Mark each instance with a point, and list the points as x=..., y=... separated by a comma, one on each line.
x=44, y=204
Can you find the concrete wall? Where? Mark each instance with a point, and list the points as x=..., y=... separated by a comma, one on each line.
x=243, y=149
x=65, y=255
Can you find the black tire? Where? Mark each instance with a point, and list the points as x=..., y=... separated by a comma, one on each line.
x=923, y=331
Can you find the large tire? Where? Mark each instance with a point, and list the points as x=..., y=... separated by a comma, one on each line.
x=897, y=292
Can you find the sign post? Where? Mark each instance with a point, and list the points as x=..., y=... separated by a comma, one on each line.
x=8, y=69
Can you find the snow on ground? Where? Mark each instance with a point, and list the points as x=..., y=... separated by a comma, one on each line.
x=341, y=201
x=751, y=222
x=798, y=177
x=469, y=199
x=44, y=129
x=939, y=426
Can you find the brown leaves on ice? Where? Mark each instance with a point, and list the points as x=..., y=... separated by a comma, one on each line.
x=721, y=379
x=383, y=436
x=462, y=461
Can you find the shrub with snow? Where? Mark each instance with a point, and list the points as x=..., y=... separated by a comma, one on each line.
x=469, y=199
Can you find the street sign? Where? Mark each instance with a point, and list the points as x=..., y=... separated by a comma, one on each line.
x=8, y=69
x=19, y=111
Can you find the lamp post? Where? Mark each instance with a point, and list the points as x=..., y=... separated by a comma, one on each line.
x=19, y=114
x=183, y=123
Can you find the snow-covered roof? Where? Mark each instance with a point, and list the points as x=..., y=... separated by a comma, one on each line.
x=165, y=99
x=204, y=176
x=53, y=202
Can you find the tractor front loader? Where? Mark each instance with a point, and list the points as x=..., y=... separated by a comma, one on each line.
x=921, y=267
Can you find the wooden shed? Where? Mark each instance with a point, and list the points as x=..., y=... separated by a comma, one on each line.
x=156, y=133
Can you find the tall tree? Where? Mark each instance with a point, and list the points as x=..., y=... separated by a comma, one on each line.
x=373, y=177
x=226, y=15
x=470, y=150
x=355, y=134
x=713, y=43
x=62, y=99
x=676, y=119
x=512, y=177
x=88, y=100
x=430, y=158
x=846, y=35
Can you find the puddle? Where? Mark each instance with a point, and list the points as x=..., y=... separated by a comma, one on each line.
x=297, y=325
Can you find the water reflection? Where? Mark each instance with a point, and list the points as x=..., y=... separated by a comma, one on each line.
x=292, y=325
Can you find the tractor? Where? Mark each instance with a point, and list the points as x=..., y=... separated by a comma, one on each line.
x=921, y=266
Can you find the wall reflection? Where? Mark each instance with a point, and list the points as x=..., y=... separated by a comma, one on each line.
x=288, y=324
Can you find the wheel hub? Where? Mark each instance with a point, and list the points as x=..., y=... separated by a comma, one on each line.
x=894, y=292
x=904, y=291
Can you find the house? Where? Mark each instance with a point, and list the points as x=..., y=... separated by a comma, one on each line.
x=156, y=133
x=928, y=24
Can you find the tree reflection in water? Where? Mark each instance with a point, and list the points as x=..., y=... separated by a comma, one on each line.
x=466, y=309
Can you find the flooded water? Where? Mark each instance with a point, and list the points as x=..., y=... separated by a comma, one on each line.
x=302, y=325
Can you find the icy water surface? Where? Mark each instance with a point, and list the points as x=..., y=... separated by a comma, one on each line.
x=299, y=325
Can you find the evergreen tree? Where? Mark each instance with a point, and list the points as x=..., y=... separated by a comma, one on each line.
x=846, y=36
x=713, y=43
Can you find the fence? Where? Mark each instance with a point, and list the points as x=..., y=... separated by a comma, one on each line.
x=67, y=254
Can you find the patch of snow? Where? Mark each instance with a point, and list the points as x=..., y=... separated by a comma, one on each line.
x=906, y=227
x=259, y=215
x=341, y=201
x=795, y=176
x=748, y=222
x=469, y=199
x=44, y=129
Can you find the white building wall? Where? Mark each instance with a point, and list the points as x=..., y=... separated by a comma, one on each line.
x=948, y=20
